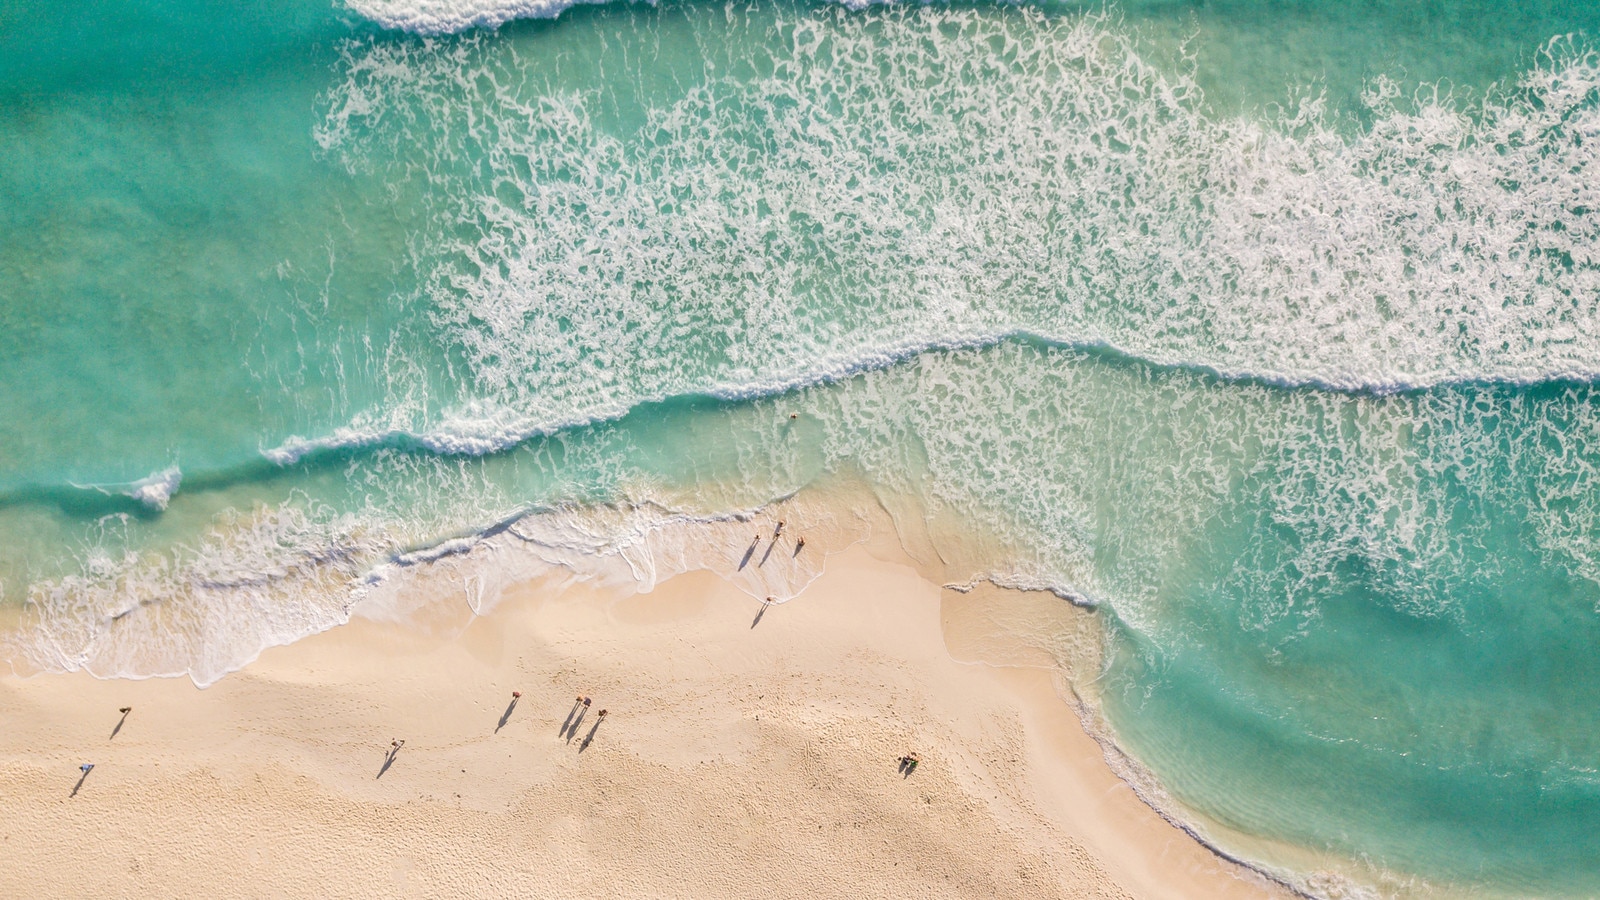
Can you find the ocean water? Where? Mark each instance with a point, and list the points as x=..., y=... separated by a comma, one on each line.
x=1268, y=330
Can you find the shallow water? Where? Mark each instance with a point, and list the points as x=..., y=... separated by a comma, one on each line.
x=1268, y=328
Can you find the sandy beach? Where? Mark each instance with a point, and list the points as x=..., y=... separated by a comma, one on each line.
x=738, y=758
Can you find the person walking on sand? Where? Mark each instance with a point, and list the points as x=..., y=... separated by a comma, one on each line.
x=601, y=714
x=777, y=531
x=799, y=545
x=125, y=709
x=586, y=703
x=85, y=768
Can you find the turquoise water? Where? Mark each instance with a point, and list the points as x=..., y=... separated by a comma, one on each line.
x=1268, y=328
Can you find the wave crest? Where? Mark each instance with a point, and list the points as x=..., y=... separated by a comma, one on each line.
x=431, y=17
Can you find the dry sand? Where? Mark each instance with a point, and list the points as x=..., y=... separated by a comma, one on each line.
x=735, y=760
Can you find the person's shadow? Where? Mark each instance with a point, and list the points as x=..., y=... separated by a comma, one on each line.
x=119, y=724
x=388, y=760
x=749, y=553
x=81, y=779
x=506, y=716
x=576, y=705
x=576, y=724
x=590, y=736
x=760, y=614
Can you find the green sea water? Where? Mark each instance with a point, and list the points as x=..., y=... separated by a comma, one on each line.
x=1267, y=329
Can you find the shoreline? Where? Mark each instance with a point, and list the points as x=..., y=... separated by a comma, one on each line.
x=701, y=780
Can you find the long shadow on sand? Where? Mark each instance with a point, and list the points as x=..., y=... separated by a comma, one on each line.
x=588, y=738
x=568, y=723
x=577, y=723
x=506, y=716
x=388, y=760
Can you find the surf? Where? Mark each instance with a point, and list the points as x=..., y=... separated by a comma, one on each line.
x=590, y=296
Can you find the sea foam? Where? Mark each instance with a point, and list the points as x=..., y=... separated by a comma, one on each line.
x=156, y=490
x=276, y=576
x=864, y=203
x=431, y=17
x=435, y=17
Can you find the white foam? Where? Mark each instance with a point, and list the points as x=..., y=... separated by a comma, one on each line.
x=479, y=428
x=155, y=490
x=254, y=581
x=280, y=574
x=1031, y=583
x=475, y=429
x=435, y=17
x=864, y=205
x=431, y=17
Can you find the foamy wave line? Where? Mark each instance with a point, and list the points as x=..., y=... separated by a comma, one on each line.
x=282, y=575
x=1026, y=583
x=154, y=491
x=432, y=17
x=435, y=17
x=642, y=543
x=481, y=430
x=1148, y=788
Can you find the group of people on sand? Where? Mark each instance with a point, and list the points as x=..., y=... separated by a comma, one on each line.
x=586, y=702
x=777, y=532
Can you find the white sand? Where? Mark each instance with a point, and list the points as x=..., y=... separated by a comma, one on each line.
x=735, y=761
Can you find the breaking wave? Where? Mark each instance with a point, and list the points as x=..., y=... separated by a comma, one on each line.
x=870, y=186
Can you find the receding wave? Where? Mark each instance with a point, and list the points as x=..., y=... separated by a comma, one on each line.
x=270, y=578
